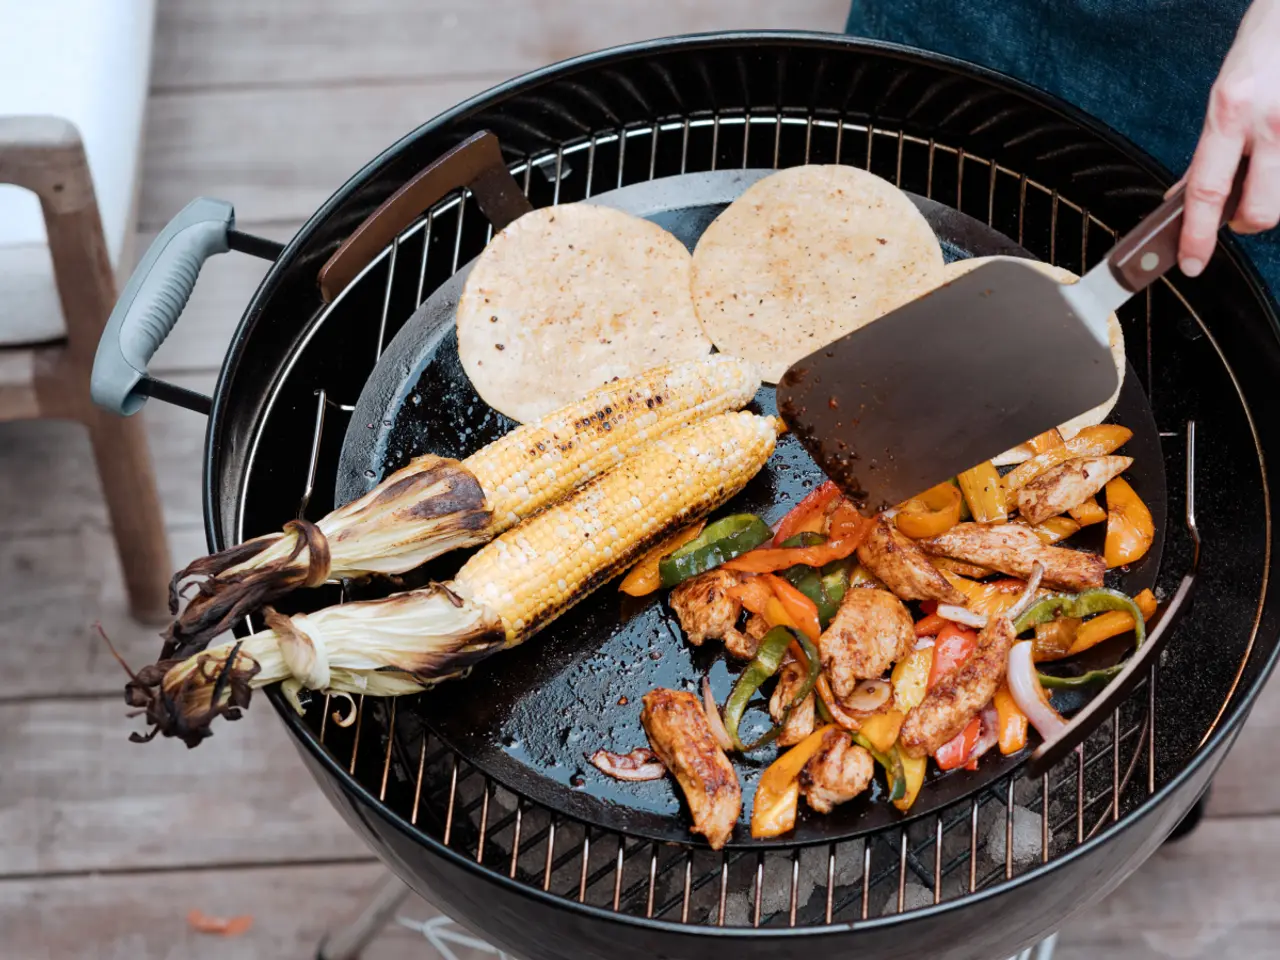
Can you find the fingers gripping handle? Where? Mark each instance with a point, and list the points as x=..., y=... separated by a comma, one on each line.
x=153, y=299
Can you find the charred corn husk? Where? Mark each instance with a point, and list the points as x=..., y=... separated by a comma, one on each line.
x=435, y=504
x=503, y=595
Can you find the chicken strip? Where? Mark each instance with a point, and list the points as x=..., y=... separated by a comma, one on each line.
x=1014, y=549
x=959, y=696
x=679, y=735
x=871, y=630
x=800, y=724
x=1068, y=485
x=837, y=773
x=903, y=567
x=707, y=612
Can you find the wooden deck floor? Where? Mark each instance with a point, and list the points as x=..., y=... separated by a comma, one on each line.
x=105, y=846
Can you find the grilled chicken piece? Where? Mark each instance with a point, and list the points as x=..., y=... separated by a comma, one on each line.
x=837, y=773
x=707, y=612
x=1068, y=485
x=903, y=567
x=1013, y=549
x=959, y=696
x=871, y=630
x=800, y=724
x=679, y=735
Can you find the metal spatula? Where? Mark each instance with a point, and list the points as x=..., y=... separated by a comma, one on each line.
x=982, y=364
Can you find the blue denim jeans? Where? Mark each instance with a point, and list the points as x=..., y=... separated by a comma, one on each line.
x=1143, y=66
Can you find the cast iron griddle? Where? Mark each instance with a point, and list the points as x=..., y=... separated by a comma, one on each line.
x=530, y=716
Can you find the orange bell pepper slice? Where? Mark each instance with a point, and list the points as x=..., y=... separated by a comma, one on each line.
x=1111, y=624
x=1056, y=528
x=1130, y=528
x=807, y=515
x=644, y=577
x=802, y=611
x=838, y=713
x=951, y=648
x=929, y=625
x=754, y=594
x=955, y=752
x=771, y=559
x=882, y=729
x=778, y=793
x=1046, y=441
x=1088, y=513
x=1090, y=442
x=933, y=512
x=1011, y=722
x=991, y=599
x=985, y=493
x=1054, y=639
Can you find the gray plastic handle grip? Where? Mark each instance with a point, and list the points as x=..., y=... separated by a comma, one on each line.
x=153, y=299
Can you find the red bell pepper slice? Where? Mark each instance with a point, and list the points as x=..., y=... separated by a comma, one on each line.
x=931, y=625
x=951, y=648
x=814, y=503
x=799, y=607
x=955, y=752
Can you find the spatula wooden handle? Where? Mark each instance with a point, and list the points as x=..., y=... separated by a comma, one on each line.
x=1150, y=249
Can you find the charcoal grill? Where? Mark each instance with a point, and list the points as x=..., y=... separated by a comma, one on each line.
x=986, y=875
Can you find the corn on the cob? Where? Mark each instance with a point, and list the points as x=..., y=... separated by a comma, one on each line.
x=502, y=596
x=434, y=504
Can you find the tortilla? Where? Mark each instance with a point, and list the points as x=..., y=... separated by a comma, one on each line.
x=567, y=298
x=1090, y=417
x=803, y=257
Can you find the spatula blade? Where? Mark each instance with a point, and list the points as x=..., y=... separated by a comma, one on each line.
x=984, y=363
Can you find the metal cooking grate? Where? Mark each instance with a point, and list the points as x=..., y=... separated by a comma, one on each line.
x=1010, y=828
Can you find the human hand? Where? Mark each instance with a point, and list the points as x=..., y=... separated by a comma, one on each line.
x=1243, y=119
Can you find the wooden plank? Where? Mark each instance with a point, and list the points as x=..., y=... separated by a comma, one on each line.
x=245, y=42
x=1245, y=784
x=77, y=796
x=57, y=585
x=48, y=482
x=277, y=154
x=143, y=916
x=1209, y=896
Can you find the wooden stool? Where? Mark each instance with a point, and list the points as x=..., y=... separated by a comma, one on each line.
x=45, y=155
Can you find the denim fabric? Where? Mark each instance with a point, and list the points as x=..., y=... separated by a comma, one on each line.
x=1142, y=66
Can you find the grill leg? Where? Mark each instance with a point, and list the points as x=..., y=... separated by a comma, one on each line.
x=347, y=943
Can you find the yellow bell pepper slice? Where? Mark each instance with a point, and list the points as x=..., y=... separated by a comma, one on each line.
x=644, y=578
x=913, y=770
x=777, y=795
x=1089, y=442
x=882, y=729
x=1111, y=624
x=1130, y=528
x=1088, y=513
x=1056, y=528
x=933, y=512
x=910, y=679
x=984, y=493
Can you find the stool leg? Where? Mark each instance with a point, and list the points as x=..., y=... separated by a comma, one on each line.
x=347, y=943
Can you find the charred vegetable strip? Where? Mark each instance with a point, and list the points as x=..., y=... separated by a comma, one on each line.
x=984, y=493
x=955, y=752
x=767, y=660
x=1010, y=721
x=935, y=511
x=719, y=542
x=1082, y=605
x=1057, y=528
x=1087, y=513
x=1130, y=528
x=802, y=611
x=808, y=514
x=644, y=577
x=1111, y=624
x=778, y=793
x=891, y=760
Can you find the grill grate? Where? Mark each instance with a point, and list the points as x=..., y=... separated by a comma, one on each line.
x=1012, y=827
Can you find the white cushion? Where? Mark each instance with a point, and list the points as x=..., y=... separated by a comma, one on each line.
x=89, y=62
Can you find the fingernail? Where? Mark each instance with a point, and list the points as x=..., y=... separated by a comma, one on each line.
x=1191, y=266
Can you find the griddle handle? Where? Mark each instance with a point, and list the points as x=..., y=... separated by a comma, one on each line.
x=1150, y=249
x=475, y=163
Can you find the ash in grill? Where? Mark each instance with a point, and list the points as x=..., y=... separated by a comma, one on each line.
x=291, y=435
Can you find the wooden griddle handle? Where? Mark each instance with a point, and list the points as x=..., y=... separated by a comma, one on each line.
x=1150, y=249
x=475, y=163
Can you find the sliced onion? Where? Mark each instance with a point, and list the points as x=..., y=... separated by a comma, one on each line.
x=1028, y=592
x=924, y=643
x=1024, y=684
x=868, y=696
x=714, y=720
x=962, y=615
x=890, y=513
x=640, y=764
x=989, y=735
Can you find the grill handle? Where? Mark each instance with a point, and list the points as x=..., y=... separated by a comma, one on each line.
x=1146, y=252
x=475, y=163
x=154, y=298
